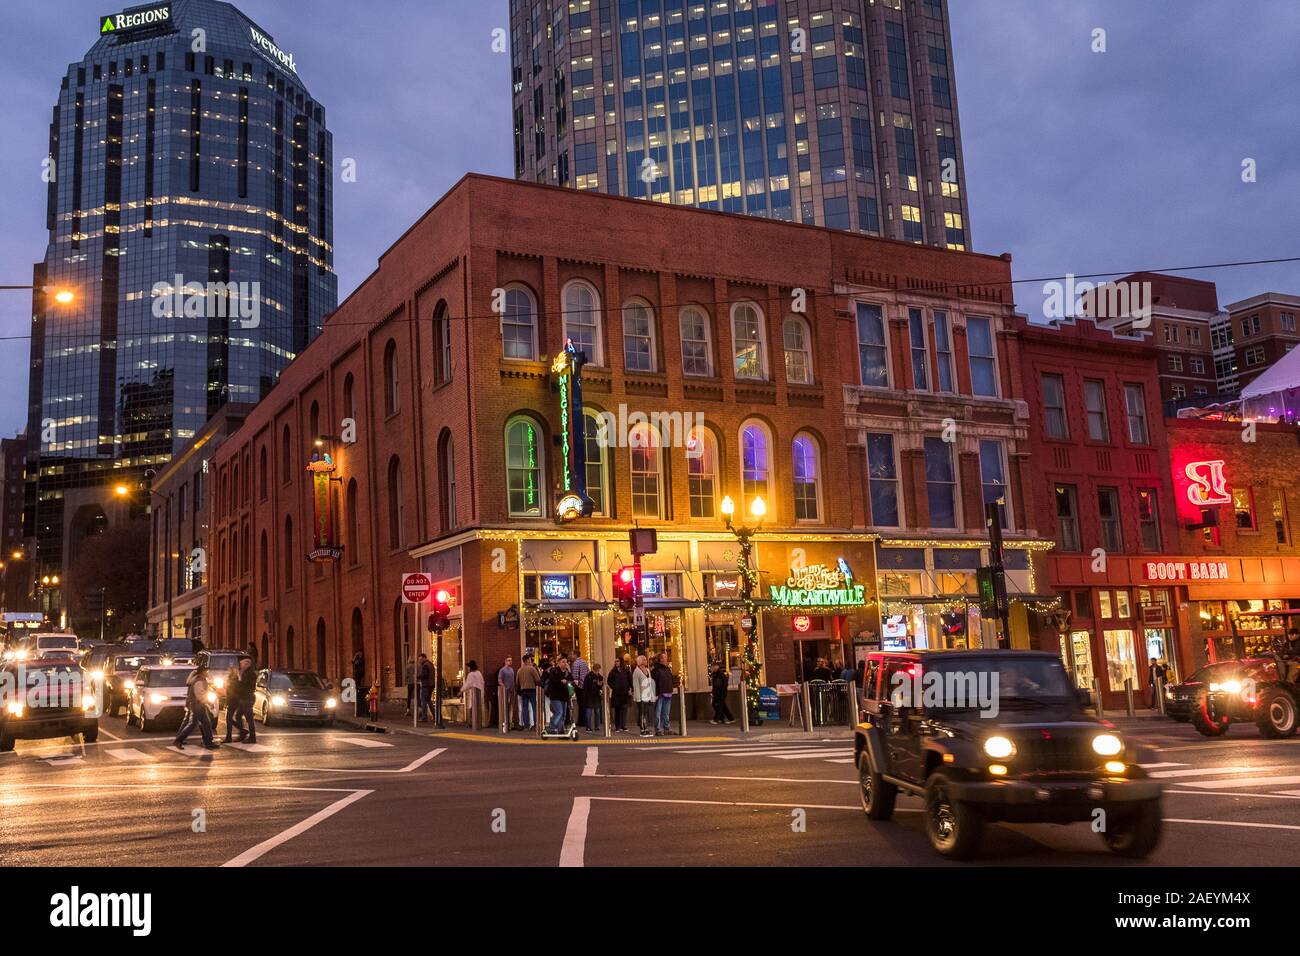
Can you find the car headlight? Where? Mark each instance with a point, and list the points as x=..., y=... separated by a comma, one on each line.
x=157, y=698
x=87, y=701
x=96, y=675
x=20, y=655
x=219, y=683
x=128, y=684
x=15, y=708
x=212, y=697
x=1108, y=745
x=331, y=703
x=999, y=747
x=277, y=701
x=1231, y=687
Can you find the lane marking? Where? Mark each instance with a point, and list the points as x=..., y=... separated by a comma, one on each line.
x=688, y=776
x=110, y=736
x=739, y=803
x=249, y=748
x=1237, y=823
x=814, y=754
x=1234, y=782
x=419, y=761
x=744, y=747
x=174, y=786
x=841, y=760
x=1284, y=795
x=127, y=753
x=1201, y=771
x=266, y=846
x=1154, y=766
x=575, y=834
x=593, y=757
x=363, y=742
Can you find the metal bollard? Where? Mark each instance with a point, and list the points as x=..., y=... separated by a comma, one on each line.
x=1128, y=694
x=604, y=709
x=503, y=715
x=476, y=721
x=851, y=698
x=681, y=709
x=540, y=709
x=744, y=706
x=1096, y=697
x=1160, y=694
x=805, y=708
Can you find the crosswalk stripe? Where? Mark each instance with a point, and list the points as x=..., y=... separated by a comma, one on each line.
x=841, y=760
x=1236, y=783
x=747, y=748
x=251, y=748
x=193, y=750
x=62, y=761
x=813, y=754
x=779, y=753
x=1155, y=766
x=362, y=742
x=1202, y=771
x=126, y=753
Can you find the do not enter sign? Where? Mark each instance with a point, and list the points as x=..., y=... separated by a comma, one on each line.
x=416, y=587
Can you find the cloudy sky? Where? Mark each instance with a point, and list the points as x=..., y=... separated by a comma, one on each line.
x=1076, y=161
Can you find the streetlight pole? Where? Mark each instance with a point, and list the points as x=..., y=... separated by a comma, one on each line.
x=745, y=538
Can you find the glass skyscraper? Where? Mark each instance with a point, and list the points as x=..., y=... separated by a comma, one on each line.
x=841, y=113
x=184, y=149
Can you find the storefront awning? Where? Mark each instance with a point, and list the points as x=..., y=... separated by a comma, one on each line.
x=558, y=606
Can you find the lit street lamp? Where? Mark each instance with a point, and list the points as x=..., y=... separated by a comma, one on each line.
x=745, y=538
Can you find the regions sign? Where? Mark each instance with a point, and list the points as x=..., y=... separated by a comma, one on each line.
x=138, y=19
x=818, y=586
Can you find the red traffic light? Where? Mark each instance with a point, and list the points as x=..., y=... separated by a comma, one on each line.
x=442, y=597
x=438, y=620
x=625, y=587
x=627, y=575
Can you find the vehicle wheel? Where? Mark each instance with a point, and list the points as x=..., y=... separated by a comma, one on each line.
x=1134, y=834
x=113, y=707
x=145, y=724
x=1207, y=727
x=954, y=828
x=573, y=734
x=266, y=716
x=6, y=744
x=877, y=796
x=1275, y=714
x=330, y=722
x=90, y=735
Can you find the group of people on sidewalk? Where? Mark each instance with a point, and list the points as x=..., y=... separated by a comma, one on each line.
x=573, y=692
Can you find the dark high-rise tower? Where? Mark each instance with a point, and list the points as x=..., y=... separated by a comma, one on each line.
x=841, y=113
x=185, y=150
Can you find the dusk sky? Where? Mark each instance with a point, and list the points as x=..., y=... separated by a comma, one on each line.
x=1076, y=161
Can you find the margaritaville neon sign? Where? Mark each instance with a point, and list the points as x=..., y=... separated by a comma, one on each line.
x=574, y=502
x=819, y=586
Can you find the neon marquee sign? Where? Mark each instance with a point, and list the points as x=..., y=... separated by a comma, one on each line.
x=1208, y=485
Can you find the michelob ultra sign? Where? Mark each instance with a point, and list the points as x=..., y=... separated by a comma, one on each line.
x=136, y=19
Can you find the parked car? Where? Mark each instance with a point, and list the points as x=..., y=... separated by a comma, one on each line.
x=1264, y=691
x=179, y=650
x=158, y=696
x=64, y=707
x=1020, y=749
x=55, y=641
x=219, y=662
x=292, y=695
x=119, y=676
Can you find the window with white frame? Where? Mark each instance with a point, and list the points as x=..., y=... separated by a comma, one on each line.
x=582, y=325
x=873, y=350
x=983, y=364
x=993, y=478
x=943, y=351
x=697, y=343
x=806, y=487
x=519, y=325
x=524, y=486
x=702, y=472
x=882, y=471
x=596, y=442
x=1094, y=397
x=920, y=353
x=647, y=472
x=940, y=483
x=1175, y=363
x=1135, y=406
x=638, y=337
x=1055, y=422
x=748, y=346
x=798, y=352
x=755, y=465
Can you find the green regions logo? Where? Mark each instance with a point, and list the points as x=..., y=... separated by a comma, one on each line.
x=135, y=19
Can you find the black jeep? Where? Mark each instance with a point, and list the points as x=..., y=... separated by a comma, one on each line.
x=988, y=735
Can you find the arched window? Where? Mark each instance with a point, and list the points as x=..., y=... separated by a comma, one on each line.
x=320, y=662
x=288, y=649
x=441, y=345
x=247, y=547
x=647, y=472
x=234, y=553
x=243, y=624
x=359, y=635
x=748, y=341
x=755, y=466
x=263, y=568
x=807, y=488
x=349, y=390
x=392, y=382
x=697, y=343
x=519, y=325
x=582, y=322
x=595, y=432
x=234, y=484
x=313, y=419
x=261, y=473
x=352, y=546
x=289, y=560
x=402, y=649
x=524, y=468
x=447, y=480
x=396, y=506
x=286, y=456
x=798, y=352
x=638, y=337
x=702, y=472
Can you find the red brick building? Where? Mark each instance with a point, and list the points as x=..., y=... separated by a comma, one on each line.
x=864, y=388
x=1102, y=488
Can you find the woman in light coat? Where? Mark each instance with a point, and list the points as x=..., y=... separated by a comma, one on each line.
x=643, y=692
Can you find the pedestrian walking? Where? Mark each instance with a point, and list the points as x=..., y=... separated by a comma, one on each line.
x=424, y=686
x=506, y=681
x=663, y=680
x=232, y=705
x=196, y=710
x=643, y=693
x=410, y=687
x=359, y=680
x=472, y=692
x=620, y=691
x=718, y=685
x=246, y=694
x=557, y=693
x=578, y=671
x=594, y=698
x=528, y=679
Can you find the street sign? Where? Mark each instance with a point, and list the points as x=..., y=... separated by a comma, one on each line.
x=638, y=617
x=416, y=587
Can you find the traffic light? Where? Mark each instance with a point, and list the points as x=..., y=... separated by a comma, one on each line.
x=625, y=587
x=441, y=612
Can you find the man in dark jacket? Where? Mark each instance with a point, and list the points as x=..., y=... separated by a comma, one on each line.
x=718, y=685
x=663, y=678
x=196, y=710
x=424, y=686
x=620, y=692
x=359, y=680
x=245, y=691
x=557, y=692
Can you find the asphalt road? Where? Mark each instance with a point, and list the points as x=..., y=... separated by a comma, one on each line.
x=309, y=796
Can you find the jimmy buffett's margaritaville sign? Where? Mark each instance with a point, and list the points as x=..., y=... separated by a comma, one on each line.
x=818, y=586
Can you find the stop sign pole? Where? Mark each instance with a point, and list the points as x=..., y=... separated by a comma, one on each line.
x=416, y=588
